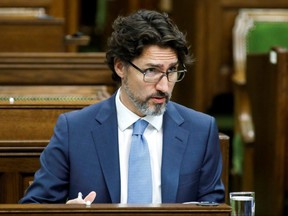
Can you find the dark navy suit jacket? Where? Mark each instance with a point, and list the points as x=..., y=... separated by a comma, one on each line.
x=83, y=156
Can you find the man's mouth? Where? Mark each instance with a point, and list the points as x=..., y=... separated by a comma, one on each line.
x=159, y=97
x=159, y=100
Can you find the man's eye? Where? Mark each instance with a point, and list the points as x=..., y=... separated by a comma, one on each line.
x=173, y=69
x=151, y=71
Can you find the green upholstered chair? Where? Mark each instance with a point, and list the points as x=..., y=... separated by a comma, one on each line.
x=264, y=34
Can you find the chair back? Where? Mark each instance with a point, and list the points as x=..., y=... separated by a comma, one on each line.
x=225, y=147
x=267, y=88
x=255, y=31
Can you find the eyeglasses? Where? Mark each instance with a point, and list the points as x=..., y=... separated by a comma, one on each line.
x=154, y=75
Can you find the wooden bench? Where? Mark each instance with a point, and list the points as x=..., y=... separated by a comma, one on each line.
x=51, y=79
x=25, y=131
x=40, y=26
x=34, y=89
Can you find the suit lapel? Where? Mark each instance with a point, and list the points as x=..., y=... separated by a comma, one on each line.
x=174, y=144
x=105, y=137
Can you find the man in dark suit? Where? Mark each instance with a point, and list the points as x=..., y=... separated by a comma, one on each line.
x=89, y=150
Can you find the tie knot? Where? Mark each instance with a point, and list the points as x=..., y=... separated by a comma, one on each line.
x=139, y=127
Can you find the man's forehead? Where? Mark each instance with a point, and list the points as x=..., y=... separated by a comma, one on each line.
x=157, y=53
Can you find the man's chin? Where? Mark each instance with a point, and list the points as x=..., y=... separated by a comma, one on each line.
x=157, y=109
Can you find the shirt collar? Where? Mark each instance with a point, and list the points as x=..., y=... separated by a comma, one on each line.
x=126, y=117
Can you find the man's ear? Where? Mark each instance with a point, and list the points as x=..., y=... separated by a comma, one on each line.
x=119, y=68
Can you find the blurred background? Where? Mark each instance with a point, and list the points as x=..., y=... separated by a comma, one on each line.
x=220, y=34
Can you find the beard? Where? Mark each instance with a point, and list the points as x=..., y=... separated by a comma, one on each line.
x=143, y=105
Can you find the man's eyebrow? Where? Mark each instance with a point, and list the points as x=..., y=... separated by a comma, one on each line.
x=161, y=65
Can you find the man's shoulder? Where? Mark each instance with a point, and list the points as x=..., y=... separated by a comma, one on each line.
x=186, y=111
x=92, y=109
x=190, y=118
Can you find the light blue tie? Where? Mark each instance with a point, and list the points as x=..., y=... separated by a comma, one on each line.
x=139, y=171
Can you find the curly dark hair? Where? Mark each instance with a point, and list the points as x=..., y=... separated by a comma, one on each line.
x=144, y=27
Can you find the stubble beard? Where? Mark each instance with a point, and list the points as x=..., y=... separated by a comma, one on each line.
x=143, y=106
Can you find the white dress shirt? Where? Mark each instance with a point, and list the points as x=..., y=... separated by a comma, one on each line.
x=154, y=137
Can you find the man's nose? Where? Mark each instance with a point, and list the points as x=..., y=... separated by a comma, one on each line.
x=163, y=84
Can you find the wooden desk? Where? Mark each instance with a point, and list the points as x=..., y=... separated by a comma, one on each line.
x=35, y=109
x=32, y=35
x=113, y=209
x=19, y=159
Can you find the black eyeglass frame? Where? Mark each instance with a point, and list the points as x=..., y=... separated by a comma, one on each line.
x=182, y=72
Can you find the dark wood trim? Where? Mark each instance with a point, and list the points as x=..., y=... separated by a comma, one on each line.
x=114, y=209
